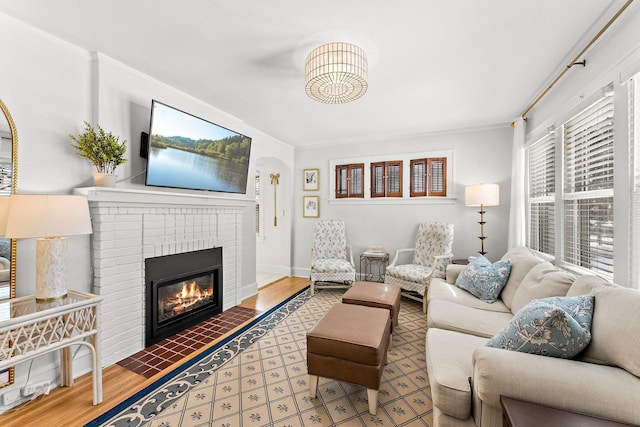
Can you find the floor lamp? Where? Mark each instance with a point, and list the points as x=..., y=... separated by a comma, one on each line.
x=482, y=195
x=49, y=218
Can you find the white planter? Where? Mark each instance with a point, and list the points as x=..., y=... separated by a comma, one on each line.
x=105, y=179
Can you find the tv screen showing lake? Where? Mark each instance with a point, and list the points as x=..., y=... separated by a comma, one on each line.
x=170, y=167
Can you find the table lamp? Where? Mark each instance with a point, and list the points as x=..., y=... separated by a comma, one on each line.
x=482, y=195
x=49, y=218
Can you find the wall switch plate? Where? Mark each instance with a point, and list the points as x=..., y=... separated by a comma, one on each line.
x=33, y=388
x=10, y=396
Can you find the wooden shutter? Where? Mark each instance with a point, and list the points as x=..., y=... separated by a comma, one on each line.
x=437, y=176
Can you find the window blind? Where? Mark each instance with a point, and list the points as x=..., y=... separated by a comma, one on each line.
x=588, y=166
x=542, y=189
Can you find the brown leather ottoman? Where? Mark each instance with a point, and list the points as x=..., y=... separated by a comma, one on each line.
x=374, y=294
x=349, y=343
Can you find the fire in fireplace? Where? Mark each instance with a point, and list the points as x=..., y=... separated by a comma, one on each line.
x=182, y=290
x=178, y=298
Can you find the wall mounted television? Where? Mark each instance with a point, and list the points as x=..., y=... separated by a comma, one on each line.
x=188, y=152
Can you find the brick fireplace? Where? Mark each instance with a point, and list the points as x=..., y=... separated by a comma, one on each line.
x=130, y=226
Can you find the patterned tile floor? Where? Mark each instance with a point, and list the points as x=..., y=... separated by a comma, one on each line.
x=157, y=357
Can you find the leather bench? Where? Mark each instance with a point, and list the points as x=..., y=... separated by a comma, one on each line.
x=374, y=294
x=349, y=343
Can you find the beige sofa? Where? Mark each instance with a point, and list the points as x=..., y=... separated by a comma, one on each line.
x=467, y=378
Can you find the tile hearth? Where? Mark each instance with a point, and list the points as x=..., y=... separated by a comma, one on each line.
x=160, y=356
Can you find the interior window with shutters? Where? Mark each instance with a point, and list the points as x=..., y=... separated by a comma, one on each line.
x=588, y=166
x=386, y=179
x=437, y=177
x=428, y=177
x=541, y=190
x=350, y=180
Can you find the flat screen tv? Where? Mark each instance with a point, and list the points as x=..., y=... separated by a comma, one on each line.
x=188, y=152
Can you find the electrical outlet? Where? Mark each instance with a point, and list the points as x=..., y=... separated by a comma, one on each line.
x=10, y=396
x=33, y=388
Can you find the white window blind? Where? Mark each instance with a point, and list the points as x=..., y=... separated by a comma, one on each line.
x=542, y=190
x=588, y=167
x=634, y=159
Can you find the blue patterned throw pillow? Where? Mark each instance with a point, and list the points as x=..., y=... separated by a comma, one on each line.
x=483, y=279
x=556, y=326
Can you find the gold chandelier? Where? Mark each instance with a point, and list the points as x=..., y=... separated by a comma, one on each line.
x=336, y=73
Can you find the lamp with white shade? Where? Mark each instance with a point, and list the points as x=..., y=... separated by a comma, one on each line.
x=49, y=218
x=482, y=195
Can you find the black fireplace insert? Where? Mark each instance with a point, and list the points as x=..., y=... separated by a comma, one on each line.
x=181, y=290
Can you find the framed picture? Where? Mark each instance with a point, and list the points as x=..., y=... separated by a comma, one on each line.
x=311, y=206
x=311, y=179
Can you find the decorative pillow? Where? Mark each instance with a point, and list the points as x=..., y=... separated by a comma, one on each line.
x=556, y=326
x=483, y=279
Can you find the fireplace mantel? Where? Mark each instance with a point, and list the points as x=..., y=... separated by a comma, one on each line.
x=167, y=197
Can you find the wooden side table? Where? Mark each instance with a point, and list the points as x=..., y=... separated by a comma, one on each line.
x=35, y=328
x=461, y=261
x=518, y=413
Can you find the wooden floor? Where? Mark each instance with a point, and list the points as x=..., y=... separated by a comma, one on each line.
x=72, y=406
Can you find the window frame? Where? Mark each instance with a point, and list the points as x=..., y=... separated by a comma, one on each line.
x=583, y=201
x=386, y=172
x=349, y=169
x=367, y=160
x=579, y=252
x=546, y=147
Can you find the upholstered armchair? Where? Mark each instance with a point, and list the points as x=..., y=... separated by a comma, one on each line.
x=331, y=257
x=431, y=255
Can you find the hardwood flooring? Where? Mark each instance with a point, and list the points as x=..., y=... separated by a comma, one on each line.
x=72, y=406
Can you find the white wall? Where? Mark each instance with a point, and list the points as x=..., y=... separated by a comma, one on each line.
x=612, y=60
x=51, y=87
x=273, y=248
x=480, y=155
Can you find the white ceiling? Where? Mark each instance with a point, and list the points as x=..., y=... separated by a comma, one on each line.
x=434, y=65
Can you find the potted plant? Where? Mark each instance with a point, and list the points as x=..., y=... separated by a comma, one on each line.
x=104, y=151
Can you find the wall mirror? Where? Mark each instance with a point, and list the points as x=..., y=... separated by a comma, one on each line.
x=8, y=247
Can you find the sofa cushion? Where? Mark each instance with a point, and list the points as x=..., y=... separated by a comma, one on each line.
x=483, y=279
x=542, y=281
x=452, y=272
x=522, y=260
x=441, y=290
x=585, y=284
x=449, y=365
x=616, y=328
x=460, y=318
x=556, y=326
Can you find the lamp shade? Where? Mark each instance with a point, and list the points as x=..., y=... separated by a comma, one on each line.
x=482, y=194
x=336, y=73
x=46, y=215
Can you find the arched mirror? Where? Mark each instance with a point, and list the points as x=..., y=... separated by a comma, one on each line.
x=8, y=247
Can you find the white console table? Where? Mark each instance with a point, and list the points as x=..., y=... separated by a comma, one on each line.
x=35, y=328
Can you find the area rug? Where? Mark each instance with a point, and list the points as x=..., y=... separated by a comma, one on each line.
x=258, y=377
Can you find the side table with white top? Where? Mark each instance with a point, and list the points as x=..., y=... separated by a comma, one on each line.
x=373, y=266
x=32, y=328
